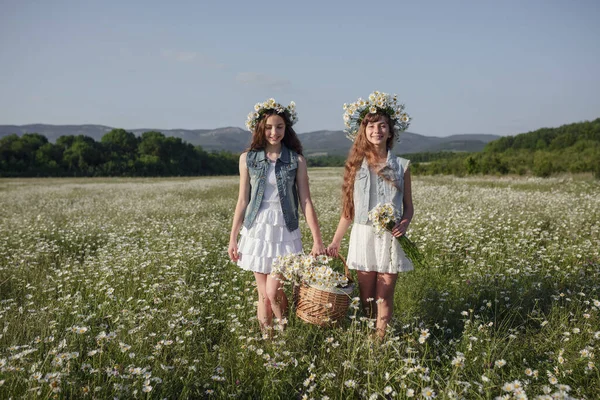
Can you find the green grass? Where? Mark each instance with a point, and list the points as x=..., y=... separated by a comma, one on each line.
x=122, y=288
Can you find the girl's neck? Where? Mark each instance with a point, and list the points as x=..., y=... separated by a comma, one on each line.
x=273, y=151
x=381, y=153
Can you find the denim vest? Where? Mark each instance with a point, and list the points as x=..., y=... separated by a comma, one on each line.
x=285, y=173
x=389, y=190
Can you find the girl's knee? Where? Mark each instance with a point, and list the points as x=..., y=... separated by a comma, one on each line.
x=264, y=300
x=273, y=296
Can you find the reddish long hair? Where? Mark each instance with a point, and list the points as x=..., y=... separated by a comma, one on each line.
x=360, y=150
x=290, y=138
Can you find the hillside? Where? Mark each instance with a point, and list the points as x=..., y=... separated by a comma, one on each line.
x=550, y=139
x=573, y=148
x=235, y=140
x=335, y=143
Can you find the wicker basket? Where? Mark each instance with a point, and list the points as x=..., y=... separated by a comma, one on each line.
x=323, y=307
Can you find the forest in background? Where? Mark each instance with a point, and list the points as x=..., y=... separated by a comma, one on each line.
x=119, y=153
x=572, y=148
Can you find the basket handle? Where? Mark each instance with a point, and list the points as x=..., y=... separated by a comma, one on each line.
x=346, y=270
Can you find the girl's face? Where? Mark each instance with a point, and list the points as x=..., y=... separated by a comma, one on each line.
x=274, y=129
x=378, y=132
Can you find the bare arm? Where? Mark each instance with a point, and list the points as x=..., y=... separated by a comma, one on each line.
x=407, y=203
x=307, y=207
x=240, y=208
x=334, y=247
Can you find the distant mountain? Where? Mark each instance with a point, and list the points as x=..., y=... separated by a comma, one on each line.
x=53, y=132
x=230, y=139
x=335, y=143
x=236, y=139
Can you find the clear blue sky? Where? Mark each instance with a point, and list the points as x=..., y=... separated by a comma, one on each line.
x=499, y=67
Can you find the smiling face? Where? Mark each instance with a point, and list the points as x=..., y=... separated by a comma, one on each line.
x=378, y=132
x=274, y=129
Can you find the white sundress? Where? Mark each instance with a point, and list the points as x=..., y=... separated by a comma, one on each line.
x=368, y=251
x=268, y=237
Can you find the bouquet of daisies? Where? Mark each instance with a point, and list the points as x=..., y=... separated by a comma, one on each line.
x=384, y=217
x=312, y=271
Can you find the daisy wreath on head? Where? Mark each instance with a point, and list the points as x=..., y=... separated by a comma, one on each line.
x=377, y=102
x=261, y=108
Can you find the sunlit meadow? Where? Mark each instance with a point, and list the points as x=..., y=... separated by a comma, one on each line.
x=121, y=288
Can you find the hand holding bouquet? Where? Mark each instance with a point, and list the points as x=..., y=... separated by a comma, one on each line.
x=385, y=217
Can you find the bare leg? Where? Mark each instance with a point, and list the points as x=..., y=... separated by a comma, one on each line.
x=277, y=297
x=386, y=284
x=263, y=311
x=367, y=285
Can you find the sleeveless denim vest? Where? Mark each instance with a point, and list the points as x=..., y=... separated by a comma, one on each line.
x=389, y=190
x=285, y=173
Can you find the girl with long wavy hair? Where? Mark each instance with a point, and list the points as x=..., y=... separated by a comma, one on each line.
x=372, y=176
x=273, y=185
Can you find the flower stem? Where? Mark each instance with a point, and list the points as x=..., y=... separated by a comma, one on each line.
x=410, y=248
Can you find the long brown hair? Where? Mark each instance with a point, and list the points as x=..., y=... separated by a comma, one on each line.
x=290, y=138
x=360, y=150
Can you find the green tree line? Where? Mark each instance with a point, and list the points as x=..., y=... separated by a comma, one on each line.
x=119, y=153
x=573, y=148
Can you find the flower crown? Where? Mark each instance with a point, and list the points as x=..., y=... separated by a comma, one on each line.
x=261, y=108
x=377, y=102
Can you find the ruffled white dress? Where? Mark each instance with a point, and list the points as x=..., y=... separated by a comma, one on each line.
x=368, y=251
x=268, y=237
